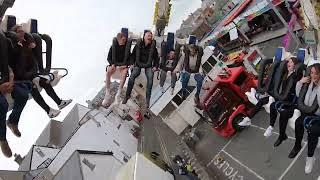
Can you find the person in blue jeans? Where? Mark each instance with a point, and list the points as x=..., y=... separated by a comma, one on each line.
x=19, y=91
x=192, y=65
x=144, y=55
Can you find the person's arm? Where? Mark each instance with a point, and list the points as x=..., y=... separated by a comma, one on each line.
x=133, y=56
x=180, y=63
x=298, y=87
x=110, y=56
x=155, y=58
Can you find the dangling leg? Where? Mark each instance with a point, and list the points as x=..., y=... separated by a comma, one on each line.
x=3, y=129
x=123, y=77
x=199, y=79
x=109, y=73
x=185, y=76
x=173, y=82
x=149, y=74
x=20, y=94
x=135, y=73
x=163, y=77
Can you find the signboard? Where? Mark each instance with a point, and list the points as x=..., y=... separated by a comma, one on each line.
x=309, y=37
x=233, y=34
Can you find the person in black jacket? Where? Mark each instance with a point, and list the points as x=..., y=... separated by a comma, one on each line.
x=169, y=65
x=25, y=67
x=117, y=60
x=288, y=110
x=19, y=91
x=192, y=62
x=144, y=55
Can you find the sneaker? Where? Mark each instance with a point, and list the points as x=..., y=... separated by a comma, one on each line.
x=14, y=129
x=245, y=122
x=5, y=148
x=64, y=103
x=53, y=113
x=309, y=164
x=172, y=91
x=162, y=89
x=268, y=132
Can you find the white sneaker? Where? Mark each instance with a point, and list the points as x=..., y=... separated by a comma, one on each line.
x=162, y=89
x=319, y=178
x=64, y=103
x=268, y=132
x=245, y=122
x=309, y=164
x=53, y=113
x=171, y=91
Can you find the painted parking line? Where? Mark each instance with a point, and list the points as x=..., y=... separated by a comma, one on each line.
x=223, y=148
x=293, y=161
x=255, y=126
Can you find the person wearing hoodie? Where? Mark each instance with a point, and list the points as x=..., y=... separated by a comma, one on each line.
x=25, y=67
x=312, y=93
x=118, y=58
x=144, y=56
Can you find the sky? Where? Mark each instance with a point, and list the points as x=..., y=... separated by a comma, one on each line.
x=82, y=31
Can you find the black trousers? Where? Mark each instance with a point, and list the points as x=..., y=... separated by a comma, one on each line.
x=50, y=91
x=299, y=129
x=313, y=136
x=283, y=119
x=259, y=105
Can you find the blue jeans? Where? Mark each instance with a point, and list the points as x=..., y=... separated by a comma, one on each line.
x=20, y=94
x=185, y=77
x=134, y=74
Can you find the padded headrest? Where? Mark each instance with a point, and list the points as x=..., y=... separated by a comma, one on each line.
x=279, y=55
x=301, y=55
x=192, y=39
x=8, y=22
x=170, y=41
x=31, y=26
x=125, y=31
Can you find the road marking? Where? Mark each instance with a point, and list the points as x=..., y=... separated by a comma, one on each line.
x=162, y=142
x=212, y=160
x=246, y=167
x=272, y=132
x=293, y=162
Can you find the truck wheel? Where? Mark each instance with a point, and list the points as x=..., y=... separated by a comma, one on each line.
x=236, y=121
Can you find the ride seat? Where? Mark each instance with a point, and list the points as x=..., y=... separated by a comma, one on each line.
x=7, y=23
x=253, y=97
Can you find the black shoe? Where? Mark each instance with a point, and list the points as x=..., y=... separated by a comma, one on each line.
x=294, y=152
x=279, y=140
x=14, y=128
